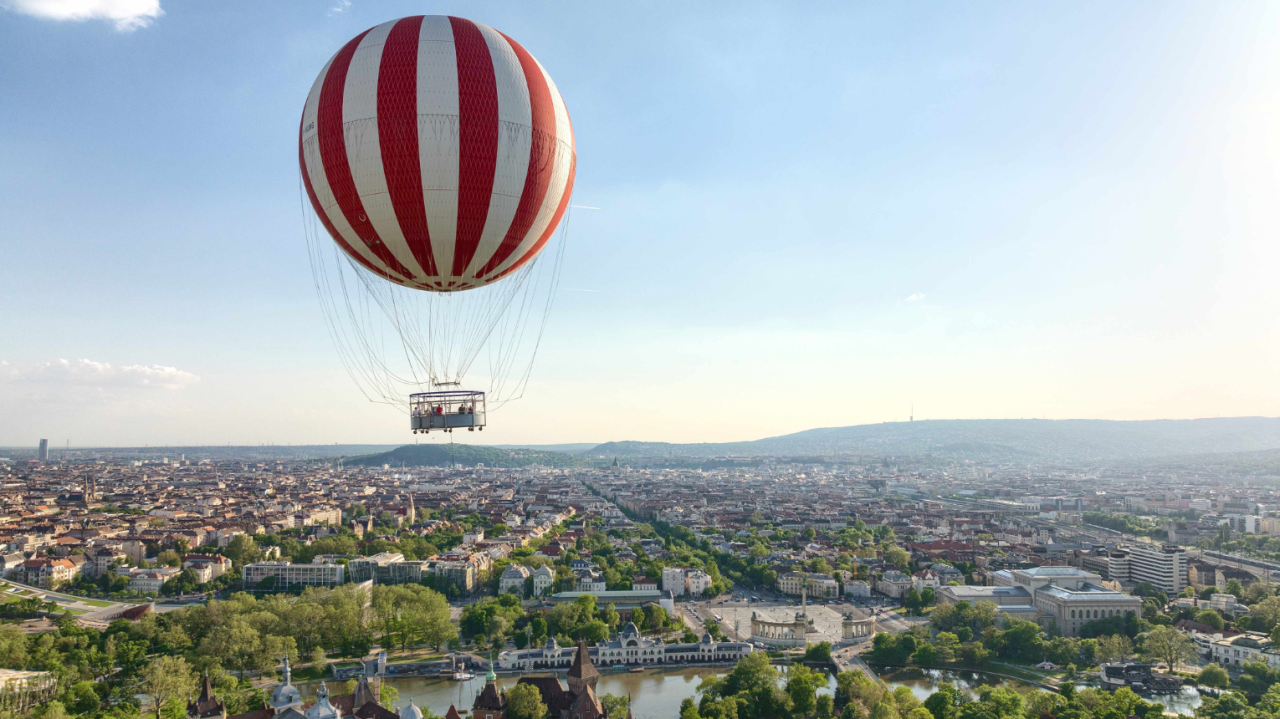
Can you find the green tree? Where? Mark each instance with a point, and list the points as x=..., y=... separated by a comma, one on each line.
x=83, y=698
x=945, y=701
x=885, y=710
x=1236, y=588
x=898, y=557
x=802, y=688
x=609, y=615
x=820, y=652
x=926, y=655
x=13, y=647
x=614, y=705
x=1211, y=618
x=388, y=696
x=1213, y=675
x=242, y=550
x=1168, y=645
x=524, y=701
x=167, y=678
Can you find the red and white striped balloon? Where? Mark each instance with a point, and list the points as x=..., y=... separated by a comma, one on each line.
x=437, y=152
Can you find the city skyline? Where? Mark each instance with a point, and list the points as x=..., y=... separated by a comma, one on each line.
x=806, y=218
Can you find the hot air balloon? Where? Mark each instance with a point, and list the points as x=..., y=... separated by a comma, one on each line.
x=438, y=157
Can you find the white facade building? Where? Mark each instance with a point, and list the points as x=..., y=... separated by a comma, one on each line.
x=512, y=579
x=543, y=578
x=309, y=575
x=630, y=649
x=857, y=589
x=1164, y=565
x=673, y=580
x=696, y=582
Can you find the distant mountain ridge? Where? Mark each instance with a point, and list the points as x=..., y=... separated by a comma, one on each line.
x=467, y=455
x=993, y=439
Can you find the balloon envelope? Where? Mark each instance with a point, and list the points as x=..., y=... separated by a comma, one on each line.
x=437, y=153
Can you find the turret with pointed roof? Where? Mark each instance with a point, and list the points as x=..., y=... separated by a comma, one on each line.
x=363, y=694
x=207, y=706
x=582, y=675
x=492, y=702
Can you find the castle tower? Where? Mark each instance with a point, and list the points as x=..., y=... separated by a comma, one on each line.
x=583, y=673
x=207, y=706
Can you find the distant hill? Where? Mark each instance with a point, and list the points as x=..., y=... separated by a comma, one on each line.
x=572, y=447
x=468, y=455
x=993, y=440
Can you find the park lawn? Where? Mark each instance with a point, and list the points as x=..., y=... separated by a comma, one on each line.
x=95, y=603
x=415, y=655
x=310, y=673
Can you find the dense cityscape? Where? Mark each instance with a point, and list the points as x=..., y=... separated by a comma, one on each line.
x=269, y=574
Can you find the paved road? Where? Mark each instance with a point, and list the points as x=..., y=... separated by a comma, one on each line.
x=70, y=601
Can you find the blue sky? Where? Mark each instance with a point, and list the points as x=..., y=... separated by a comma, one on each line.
x=810, y=215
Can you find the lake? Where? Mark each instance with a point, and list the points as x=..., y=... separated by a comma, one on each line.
x=657, y=693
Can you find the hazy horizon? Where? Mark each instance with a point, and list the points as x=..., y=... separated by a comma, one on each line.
x=809, y=216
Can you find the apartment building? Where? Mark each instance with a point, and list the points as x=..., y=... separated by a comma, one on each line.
x=673, y=580
x=1109, y=564
x=48, y=573
x=151, y=580
x=210, y=565
x=894, y=584
x=818, y=586
x=696, y=582
x=1164, y=565
x=543, y=578
x=513, y=579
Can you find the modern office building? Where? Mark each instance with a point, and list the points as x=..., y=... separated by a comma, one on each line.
x=378, y=567
x=1112, y=564
x=1164, y=565
x=43, y=453
x=286, y=574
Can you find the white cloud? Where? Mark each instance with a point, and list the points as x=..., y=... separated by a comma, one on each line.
x=89, y=375
x=126, y=15
x=341, y=6
x=915, y=297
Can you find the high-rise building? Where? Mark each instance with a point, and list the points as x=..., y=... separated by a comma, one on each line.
x=43, y=453
x=1164, y=565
